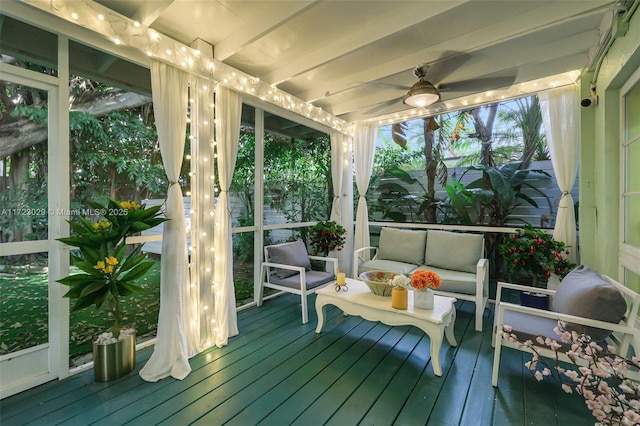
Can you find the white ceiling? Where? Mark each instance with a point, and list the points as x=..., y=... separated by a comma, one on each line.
x=353, y=58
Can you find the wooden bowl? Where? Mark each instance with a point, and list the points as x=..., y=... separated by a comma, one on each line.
x=378, y=282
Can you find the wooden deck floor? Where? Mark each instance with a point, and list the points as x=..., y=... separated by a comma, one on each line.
x=279, y=372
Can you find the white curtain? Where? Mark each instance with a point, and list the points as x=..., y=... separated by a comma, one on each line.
x=337, y=168
x=339, y=146
x=171, y=352
x=202, y=210
x=228, y=113
x=560, y=115
x=363, y=151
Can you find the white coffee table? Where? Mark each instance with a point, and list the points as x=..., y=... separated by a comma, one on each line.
x=359, y=300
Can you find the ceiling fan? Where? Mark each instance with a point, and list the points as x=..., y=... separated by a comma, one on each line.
x=424, y=93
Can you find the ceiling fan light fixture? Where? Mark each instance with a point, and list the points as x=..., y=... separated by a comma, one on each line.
x=421, y=94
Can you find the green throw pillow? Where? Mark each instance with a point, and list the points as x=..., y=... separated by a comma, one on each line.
x=454, y=251
x=402, y=245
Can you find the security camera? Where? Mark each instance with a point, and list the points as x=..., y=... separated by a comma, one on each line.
x=587, y=102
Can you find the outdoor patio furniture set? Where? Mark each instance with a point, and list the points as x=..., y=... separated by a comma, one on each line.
x=585, y=300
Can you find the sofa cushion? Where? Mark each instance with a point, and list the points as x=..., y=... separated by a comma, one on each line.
x=294, y=254
x=454, y=251
x=454, y=281
x=584, y=293
x=386, y=265
x=402, y=245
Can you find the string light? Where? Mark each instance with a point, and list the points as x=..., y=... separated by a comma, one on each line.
x=130, y=33
x=515, y=91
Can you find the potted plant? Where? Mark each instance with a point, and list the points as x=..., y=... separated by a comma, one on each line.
x=108, y=271
x=326, y=236
x=534, y=254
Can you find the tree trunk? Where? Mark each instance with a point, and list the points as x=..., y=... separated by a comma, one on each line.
x=484, y=132
x=431, y=168
x=19, y=133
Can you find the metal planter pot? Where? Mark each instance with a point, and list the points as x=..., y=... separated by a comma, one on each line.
x=114, y=360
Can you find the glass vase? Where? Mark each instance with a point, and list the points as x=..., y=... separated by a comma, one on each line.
x=423, y=299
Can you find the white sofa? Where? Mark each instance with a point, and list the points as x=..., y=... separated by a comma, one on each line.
x=457, y=257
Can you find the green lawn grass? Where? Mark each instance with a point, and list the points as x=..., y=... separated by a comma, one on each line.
x=24, y=311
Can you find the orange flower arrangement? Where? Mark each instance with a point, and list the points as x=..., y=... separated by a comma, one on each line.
x=421, y=279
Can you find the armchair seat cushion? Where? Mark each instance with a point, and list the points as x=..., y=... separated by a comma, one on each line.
x=529, y=327
x=386, y=265
x=314, y=279
x=453, y=281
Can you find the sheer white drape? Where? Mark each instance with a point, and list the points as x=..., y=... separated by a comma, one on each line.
x=339, y=147
x=363, y=150
x=228, y=113
x=202, y=210
x=561, y=118
x=337, y=168
x=172, y=351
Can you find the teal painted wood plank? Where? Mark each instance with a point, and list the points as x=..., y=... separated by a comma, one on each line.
x=343, y=371
x=288, y=411
x=255, y=373
x=218, y=367
x=324, y=407
x=51, y=396
x=244, y=373
x=570, y=408
x=121, y=400
x=478, y=409
x=368, y=393
x=304, y=365
x=294, y=384
x=424, y=395
x=508, y=405
x=539, y=402
x=394, y=396
x=456, y=387
x=42, y=400
x=65, y=404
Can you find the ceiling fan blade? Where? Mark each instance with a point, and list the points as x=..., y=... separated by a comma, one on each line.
x=477, y=85
x=448, y=63
x=378, y=83
x=382, y=106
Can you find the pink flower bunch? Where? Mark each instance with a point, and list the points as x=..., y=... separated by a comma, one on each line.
x=600, y=376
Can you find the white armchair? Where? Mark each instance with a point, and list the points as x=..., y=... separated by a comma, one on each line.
x=587, y=302
x=287, y=267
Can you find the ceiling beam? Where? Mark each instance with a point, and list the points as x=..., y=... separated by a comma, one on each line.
x=404, y=16
x=515, y=57
x=527, y=23
x=149, y=11
x=275, y=18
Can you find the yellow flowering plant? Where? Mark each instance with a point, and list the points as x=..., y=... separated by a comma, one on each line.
x=108, y=268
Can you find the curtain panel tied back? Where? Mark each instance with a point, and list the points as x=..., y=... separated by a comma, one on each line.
x=171, y=352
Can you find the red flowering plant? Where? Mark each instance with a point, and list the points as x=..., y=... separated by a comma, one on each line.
x=421, y=280
x=326, y=236
x=535, y=253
